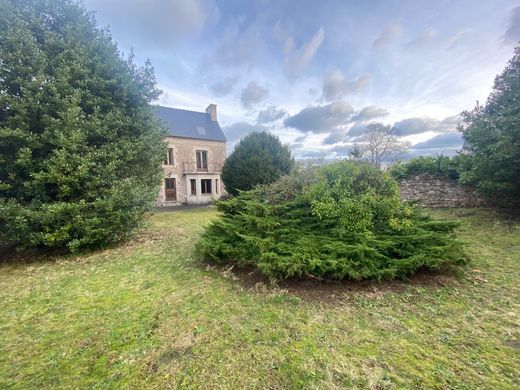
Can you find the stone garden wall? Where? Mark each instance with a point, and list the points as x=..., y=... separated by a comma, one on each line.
x=436, y=191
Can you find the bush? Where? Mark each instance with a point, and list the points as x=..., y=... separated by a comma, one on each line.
x=346, y=221
x=259, y=158
x=80, y=148
x=439, y=166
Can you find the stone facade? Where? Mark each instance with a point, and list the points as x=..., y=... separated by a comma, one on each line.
x=183, y=169
x=434, y=191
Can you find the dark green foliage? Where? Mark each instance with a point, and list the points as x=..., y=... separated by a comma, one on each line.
x=492, y=136
x=439, y=165
x=80, y=148
x=259, y=158
x=345, y=221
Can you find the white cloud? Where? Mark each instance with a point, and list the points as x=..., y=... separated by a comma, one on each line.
x=389, y=33
x=512, y=33
x=321, y=119
x=240, y=129
x=370, y=112
x=335, y=86
x=155, y=22
x=334, y=137
x=297, y=59
x=448, y=141
x=456, y=38
x=253, y=94
x=270, y=114
x=423, y=39
x=223, y=87
x=411, y=126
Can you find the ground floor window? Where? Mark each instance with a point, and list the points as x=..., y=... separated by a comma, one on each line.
x=217, y=189
x=193, y=185
x=205, y=186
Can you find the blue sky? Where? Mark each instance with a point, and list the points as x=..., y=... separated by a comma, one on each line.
x=316, y=72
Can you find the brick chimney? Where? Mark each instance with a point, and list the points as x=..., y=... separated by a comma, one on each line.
x=212, y=111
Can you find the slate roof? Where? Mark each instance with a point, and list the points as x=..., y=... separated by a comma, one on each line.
x=190, y=124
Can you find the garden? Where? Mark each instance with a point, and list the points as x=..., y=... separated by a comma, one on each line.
x=307, y=275
x=150, y=314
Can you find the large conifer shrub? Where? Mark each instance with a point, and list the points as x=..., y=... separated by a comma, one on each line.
x=80, y=148
x=346, y=221
x=258, y=158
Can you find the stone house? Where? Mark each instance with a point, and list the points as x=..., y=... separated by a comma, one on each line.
x=195, y=154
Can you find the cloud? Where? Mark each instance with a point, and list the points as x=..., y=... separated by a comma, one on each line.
x=448, y=124
x=388, y=34
x=311, y=154
x=357, y=130
x=239, y=45
x=455, y=38
x=335, y=86
x=297, y=59
x=334, y=137
x=155, y=23
x=512, y=33
x=253, y=94
x=301, y=138
x=296, y=145
x=239, y=129
x=340, y=150
x=411, y=126
x=270, y=114
x=321, y=119
x=411, y=153
x=223, y=87
x=423, y=39
x=448, y=141
x=370, y=112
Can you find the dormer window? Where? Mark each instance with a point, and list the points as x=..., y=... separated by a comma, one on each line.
x=169, y=157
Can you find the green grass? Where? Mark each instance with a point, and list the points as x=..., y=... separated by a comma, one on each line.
x=148, y=315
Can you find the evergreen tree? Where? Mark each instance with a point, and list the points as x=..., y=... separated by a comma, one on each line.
x=80, y=148
x=492, y=136
x=259, y=158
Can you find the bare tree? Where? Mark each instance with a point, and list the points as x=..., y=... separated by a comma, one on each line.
x=356, y=153
x=381, y=144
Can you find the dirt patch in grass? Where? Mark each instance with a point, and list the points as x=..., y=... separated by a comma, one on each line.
x=332, y=291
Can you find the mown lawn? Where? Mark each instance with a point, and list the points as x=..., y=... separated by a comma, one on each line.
x=148, y=315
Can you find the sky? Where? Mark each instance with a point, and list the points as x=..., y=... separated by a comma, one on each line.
x=315, y=73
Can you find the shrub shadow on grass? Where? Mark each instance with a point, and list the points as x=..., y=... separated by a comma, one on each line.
x=144, y=237
x=333, y=291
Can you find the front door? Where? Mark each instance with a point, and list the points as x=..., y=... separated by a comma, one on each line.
x=170, y=192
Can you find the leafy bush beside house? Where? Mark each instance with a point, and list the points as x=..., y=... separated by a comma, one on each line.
x=80, y=148
x=346, y=221
x=259, y=158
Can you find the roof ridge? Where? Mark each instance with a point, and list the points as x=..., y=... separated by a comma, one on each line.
x=180, y=109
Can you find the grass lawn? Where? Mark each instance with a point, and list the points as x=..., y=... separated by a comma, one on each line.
x=147, y=314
